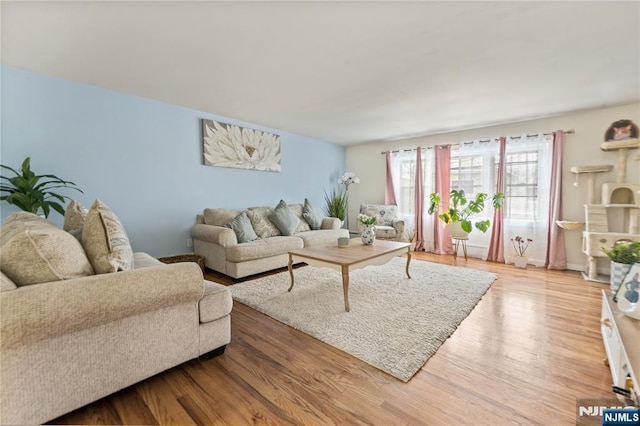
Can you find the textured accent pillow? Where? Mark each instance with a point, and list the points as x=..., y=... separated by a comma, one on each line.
x=284, y=219
x=241, y=225
x=105, y=241
x=303, y=225
x=36, y=252
x=74, y=217
x=313, y=215
x=259, y=217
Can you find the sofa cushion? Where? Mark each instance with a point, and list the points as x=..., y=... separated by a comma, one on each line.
x=322, y=237
x=25, y=217
x=74, y=217
x=5, y=283
x=303, y=225
x=105, y=240
x=37, y=251
x=312, y=214
x=284, y=219
x=259, y=217
x=7, y=230
x=218, y=217
x=241, y=225
x=215, y=303
x=262, y=248
x=385, y=232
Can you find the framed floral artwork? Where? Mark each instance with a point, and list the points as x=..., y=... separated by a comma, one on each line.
x=228, y=145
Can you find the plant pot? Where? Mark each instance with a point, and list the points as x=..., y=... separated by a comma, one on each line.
x=618, y=272
x=521, y=261
x=455, y=228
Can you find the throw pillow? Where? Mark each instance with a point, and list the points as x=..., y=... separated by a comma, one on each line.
x=259, y=217
x=241, y=225
x=105, y=240
x=284, y=219
x=303, y=226
x=74, y=217
x=36, y=252
x=313, y=215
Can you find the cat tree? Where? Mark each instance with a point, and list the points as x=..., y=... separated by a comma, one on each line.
x=619, y=198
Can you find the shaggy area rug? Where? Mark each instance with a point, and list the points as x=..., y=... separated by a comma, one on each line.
x=395, y=323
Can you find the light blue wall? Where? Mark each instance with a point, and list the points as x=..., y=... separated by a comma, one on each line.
x=143, y=158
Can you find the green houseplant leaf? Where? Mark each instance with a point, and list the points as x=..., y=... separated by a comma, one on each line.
x=33, y=193
x=625, y=252
x=336, y=204
x=461, y=209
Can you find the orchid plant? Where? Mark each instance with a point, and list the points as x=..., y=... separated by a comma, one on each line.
x=348, y=178
x=520, y=245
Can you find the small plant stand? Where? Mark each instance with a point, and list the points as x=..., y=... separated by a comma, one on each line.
x=457, y=242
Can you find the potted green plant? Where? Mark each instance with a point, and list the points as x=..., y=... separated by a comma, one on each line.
x=336, y=204
x=458, y=215
x=622, y=255
x=31, y=192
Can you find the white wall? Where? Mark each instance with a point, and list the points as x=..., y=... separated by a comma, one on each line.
x=580, y=149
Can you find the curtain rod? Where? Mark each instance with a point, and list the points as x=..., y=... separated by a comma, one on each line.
x=566, y=132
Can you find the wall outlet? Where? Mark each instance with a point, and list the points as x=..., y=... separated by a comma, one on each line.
x=189, y=242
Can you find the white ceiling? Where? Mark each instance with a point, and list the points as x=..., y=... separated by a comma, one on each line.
x=345, y=72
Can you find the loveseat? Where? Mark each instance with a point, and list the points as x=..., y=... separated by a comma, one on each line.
x=71, y=335
x=226, y=248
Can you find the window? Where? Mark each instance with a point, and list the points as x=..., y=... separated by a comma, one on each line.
x=476, y=172
x=407, y=199
x=466, y=173
x=521, y=186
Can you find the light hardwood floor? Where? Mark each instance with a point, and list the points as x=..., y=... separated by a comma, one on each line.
x=524, y=354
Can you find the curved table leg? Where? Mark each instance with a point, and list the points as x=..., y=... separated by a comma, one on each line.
x=345, y=286
x=291, y=271
x=408, y=261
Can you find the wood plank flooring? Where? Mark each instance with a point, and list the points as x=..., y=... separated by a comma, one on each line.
x=524, y=354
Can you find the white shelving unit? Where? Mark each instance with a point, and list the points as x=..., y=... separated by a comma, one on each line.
x=621, y=337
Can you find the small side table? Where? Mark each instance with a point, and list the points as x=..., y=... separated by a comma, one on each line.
x=457, y=242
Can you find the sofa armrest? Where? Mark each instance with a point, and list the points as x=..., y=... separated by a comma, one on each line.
x=42, y=311
x=398, y=225
x=331, y=223
x=220, y=235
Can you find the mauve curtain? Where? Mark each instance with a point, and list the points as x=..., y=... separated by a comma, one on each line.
x=419, y=206
x=556, y=254
x=389, y=191
x=496, y=246
x=441, y=234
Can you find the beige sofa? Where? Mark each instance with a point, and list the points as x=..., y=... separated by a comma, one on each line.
x=220, y=248
x=68, y=342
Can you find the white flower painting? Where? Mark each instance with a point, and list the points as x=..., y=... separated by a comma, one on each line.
x=227, y=145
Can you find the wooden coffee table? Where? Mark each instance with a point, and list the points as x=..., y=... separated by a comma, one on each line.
x=345, y=259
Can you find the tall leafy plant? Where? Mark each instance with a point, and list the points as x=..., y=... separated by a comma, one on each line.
x=336, y=204
x=461, y=209
x=31, y=192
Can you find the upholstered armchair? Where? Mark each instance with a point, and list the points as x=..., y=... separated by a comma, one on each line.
x=388, y=225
